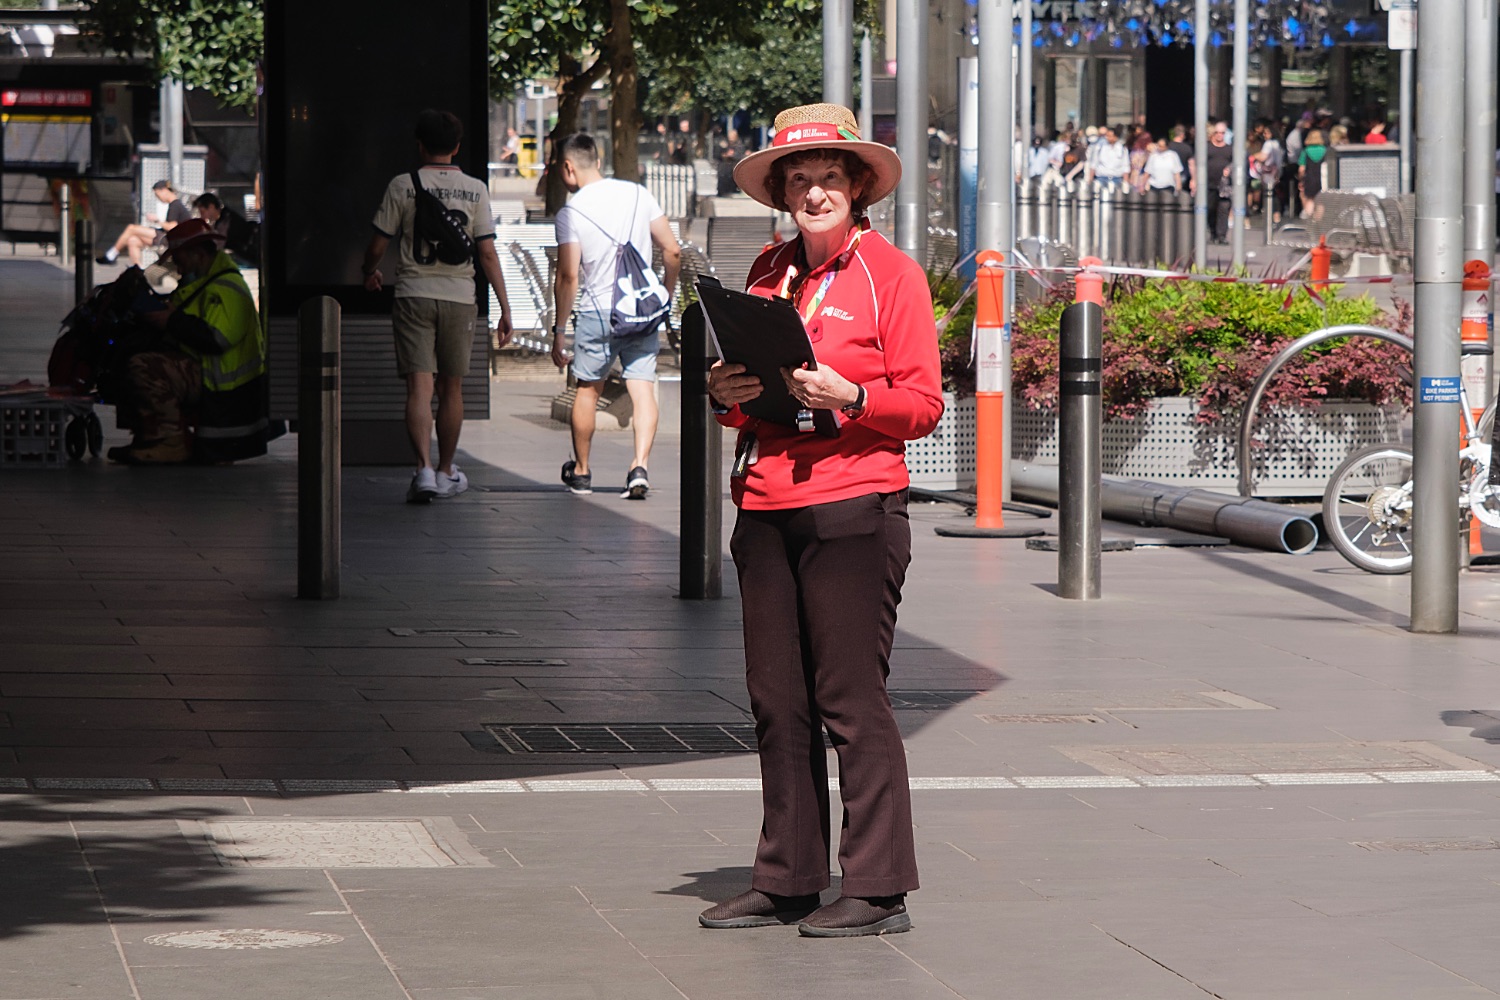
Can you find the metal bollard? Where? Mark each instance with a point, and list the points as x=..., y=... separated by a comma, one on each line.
x=1167, y=207
x=1065, y=212
x=1135, y=228
x=83, y=262
x=1025, y=209
x=1086, y=228
x=319, y=453
x=1079, y=434
x=1268, y=206
x=1151, y=208
x=1184, y=226
x=64, y=222
x=1044, y=228
x=1107, y=242
x=700, y=562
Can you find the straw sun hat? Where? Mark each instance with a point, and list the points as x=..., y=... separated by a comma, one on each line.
x=818, y=126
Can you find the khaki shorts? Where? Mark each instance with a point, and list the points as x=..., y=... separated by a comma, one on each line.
x=433, y=335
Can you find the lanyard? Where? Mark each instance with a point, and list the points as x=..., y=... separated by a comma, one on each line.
x=826, y=283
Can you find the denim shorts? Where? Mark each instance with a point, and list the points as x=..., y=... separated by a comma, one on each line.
x=595, y=351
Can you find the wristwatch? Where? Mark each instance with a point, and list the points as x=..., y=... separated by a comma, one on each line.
x=857, y=407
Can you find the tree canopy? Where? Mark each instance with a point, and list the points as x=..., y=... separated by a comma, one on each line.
x=211, y=45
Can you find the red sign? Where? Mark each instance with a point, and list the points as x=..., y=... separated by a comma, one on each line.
x=47, y=98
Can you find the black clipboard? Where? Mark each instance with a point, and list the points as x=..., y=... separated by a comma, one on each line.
x=765, y=335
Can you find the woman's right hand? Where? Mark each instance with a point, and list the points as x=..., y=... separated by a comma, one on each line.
x=730, y=386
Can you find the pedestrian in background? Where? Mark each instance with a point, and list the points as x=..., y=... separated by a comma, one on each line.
x=1220, y=159
x=433, y=314
x=1310, y=170
x=603, y=215
x=822, y=540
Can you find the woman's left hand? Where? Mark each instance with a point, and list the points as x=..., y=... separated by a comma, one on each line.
x=821, y=389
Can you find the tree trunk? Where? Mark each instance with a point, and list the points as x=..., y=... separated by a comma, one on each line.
x=573, y=85
x=624, y=117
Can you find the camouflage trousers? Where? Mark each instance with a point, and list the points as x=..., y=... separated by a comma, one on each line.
x=165, y=386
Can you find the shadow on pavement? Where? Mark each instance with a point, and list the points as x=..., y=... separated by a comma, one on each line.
x=64, y=863
x=152, y=630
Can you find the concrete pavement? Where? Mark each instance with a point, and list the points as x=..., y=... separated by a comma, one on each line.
x=1235, y=776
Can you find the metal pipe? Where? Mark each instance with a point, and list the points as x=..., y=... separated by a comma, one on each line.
x=1152, y=226
x=1252, y=523
x=83, y=261
x=838, y=52
x=1479, y=143
x=1028, y=105
x=700, y=552
x=1135, y=227
x=1408, y=131
x=1438, y=269
x=1241, y=98
x=1025, y=208
x=1085, y=225
x=996, y=149
x=911, y=128
x=172, y=123
x=1065, y=212
x=1080, y=458
x=1183, y=202
x=64, y=222
x=866, y=87
x=1107, y=241
x=319, y=451
x=1296, y=347
x=1200, y=133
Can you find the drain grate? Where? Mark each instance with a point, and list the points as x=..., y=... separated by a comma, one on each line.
x=632, y=737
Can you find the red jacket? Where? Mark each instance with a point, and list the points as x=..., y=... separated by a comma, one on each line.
x=874, y=327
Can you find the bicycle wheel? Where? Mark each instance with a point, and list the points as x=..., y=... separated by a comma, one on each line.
x=1367, y=509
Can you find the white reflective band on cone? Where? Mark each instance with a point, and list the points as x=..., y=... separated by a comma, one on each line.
x=990, y=357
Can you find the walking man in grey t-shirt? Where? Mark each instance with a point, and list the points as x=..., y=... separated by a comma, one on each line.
x=433, y=315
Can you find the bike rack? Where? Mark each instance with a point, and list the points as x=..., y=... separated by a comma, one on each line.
x=1296, y=347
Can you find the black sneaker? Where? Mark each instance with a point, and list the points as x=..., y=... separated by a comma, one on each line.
x=636, y=484
x=579, y=485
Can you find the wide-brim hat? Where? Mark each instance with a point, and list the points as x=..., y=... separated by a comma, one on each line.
x=819, y=126
x=189, y=232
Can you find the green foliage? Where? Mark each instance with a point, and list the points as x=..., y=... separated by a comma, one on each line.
x=1205, y=340
x=210, y=45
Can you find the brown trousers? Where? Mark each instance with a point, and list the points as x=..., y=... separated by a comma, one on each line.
x=820, y=587
x=165, y=386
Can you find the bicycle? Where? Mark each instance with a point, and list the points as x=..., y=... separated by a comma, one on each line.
x=1367, y=505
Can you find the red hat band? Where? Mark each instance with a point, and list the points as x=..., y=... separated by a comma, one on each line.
x=812, y=133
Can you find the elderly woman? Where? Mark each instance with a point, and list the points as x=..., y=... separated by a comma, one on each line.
x=822, y=540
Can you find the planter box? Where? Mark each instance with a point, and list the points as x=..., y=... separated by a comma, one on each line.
x=944, y=459
x=1165, y=444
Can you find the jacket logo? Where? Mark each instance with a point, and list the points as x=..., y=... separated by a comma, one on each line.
x=836, y=313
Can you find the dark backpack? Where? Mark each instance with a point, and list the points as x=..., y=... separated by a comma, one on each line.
x=640, y=301
x=444, y=230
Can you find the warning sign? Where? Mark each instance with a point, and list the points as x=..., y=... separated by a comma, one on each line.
x=1438, y=389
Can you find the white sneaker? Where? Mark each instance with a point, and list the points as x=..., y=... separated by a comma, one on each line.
x=423, y=487
x=451, y=486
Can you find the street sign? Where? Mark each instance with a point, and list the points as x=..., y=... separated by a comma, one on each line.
x=1402, y=25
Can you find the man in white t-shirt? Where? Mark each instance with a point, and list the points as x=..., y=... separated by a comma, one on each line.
x=433, y=315
x=1163, y=168
x=1111, y=161
x=602, y=214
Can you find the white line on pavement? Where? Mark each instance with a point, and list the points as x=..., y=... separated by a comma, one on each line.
x=304, y=786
